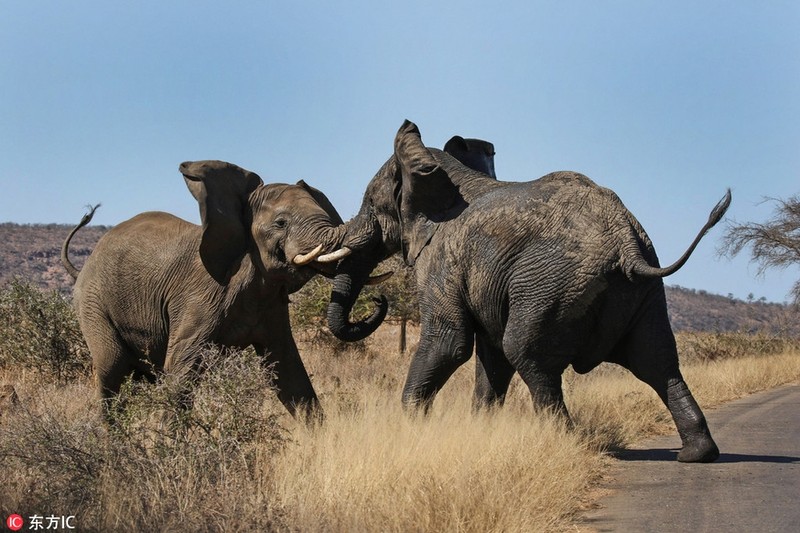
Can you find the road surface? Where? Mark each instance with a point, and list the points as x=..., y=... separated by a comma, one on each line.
x=753, y=487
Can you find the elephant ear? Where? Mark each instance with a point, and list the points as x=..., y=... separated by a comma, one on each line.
x=476, y=154
x=323, y=202
x=221, y=190
x=426, y=191
x=455, y=145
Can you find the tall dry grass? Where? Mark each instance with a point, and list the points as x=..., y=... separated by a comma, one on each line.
x=237, y=462
x=374, y=468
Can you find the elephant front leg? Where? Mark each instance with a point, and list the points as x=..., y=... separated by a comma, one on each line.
x=440, y=353
x=291, y=380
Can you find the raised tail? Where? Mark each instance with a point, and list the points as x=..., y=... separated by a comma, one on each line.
x=65, y=248
x=640, y=268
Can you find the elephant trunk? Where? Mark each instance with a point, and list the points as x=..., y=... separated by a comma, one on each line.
x=317, y=244
x=350, y=279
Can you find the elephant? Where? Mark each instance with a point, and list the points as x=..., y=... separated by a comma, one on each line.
x=157, y=289
x=476, y=154
x=544, y=274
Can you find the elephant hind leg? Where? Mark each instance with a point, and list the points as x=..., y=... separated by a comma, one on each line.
x=493, y=375
x=545, y=388
x=540, y=366
x=649, y=351
x=110, y=362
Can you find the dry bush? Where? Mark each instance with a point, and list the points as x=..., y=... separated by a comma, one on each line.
x=206, y=472
x=729, y=379
x=710, y=346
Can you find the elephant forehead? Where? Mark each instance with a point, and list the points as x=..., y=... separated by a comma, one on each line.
x=276, y=195
x=275, y=192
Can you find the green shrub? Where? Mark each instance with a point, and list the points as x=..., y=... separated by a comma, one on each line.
x=39, y=331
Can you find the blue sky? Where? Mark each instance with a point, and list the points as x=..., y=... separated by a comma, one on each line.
x=667, y=103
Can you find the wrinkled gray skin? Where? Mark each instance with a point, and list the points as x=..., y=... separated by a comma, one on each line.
x=157, y=289
x=545, y=274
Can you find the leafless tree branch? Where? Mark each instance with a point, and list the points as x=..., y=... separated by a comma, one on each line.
x=774, y=243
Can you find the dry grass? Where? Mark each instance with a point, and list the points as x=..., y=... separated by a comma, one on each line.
x=240, y=463
x=373, y=468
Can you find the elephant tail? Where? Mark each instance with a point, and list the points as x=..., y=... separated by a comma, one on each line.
x=65, y=248
x=638, y=267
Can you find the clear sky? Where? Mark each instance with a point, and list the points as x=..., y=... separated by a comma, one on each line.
x=667, y=103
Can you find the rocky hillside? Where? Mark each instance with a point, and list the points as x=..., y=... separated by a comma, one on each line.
x=31, y=252
x=698, y=310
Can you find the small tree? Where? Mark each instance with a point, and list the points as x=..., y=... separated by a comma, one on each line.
x=774, y=243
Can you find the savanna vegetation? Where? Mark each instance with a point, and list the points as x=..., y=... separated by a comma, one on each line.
x=237, y=461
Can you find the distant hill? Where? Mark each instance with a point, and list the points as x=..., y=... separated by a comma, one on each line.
x=32, y=253
x=698, y=310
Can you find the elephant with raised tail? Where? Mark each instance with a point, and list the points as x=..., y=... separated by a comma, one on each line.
x=545, y=274
x=157, y=289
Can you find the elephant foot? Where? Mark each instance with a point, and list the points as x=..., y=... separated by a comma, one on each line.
x=701, y=450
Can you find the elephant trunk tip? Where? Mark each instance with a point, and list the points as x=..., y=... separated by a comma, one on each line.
x=340, y=325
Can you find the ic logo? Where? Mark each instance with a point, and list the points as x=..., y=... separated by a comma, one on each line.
x=15, y=522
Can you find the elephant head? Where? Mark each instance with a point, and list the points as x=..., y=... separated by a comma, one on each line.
x=291, y=231
x=403, y=206
x=477, y=154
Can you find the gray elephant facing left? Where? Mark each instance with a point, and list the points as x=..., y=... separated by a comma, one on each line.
x=157, y=289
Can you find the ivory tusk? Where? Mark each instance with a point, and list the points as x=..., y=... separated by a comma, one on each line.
x=335, y=256
x=380, y=278
x=304, y=259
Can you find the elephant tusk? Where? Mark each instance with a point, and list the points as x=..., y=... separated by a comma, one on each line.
x=380, y=278
x=335, y=256
x=304, y=259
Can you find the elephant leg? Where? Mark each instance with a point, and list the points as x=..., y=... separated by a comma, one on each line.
x=181, y=365
x=493, y=375
x=445, y=344
x=545, y=387
x=539, y=364
x=110, y=362
x=651, y=354
x=291, y=380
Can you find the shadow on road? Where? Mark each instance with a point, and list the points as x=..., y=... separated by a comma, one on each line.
x=670, y=454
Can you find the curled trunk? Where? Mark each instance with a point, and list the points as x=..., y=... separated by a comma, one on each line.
x=350, y=279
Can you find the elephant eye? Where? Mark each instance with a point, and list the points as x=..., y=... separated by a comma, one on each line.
x=279, y=223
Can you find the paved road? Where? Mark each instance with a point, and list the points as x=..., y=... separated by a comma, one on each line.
x=753, y=487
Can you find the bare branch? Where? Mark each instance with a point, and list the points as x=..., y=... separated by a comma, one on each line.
x=773, y=244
